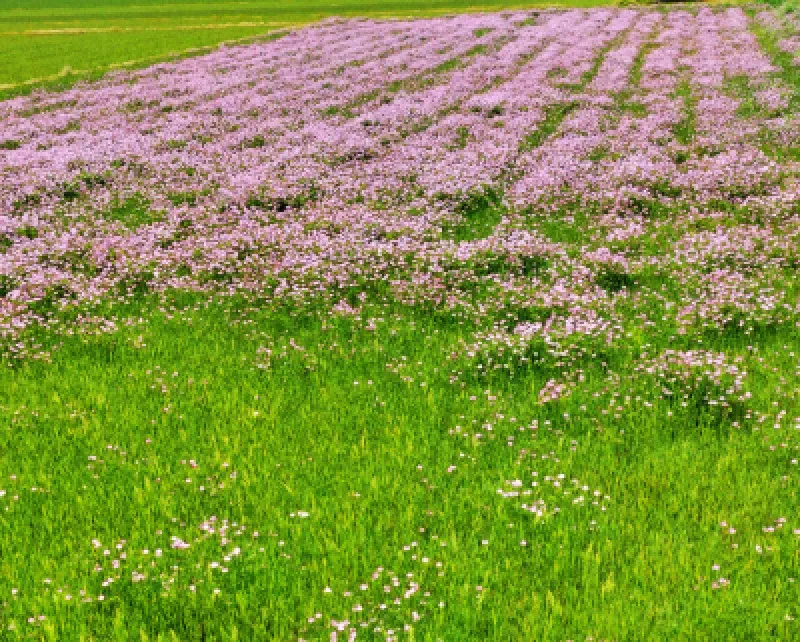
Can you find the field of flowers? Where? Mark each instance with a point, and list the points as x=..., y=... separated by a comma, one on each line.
x=475, y=327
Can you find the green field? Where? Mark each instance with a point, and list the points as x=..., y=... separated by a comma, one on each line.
x=188, y=465
x=377, y=463
x=41, y=41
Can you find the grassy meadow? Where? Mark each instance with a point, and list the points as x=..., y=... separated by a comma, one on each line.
x=547, y=391
x=355, y=451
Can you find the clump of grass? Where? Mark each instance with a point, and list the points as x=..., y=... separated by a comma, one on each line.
x=133, y=212
x=28, y=232
x=7, y=285
x=72, y=126
x=615, y=280
x=462, y=138
x=684, y=130
x=282, y=203
x=739, y=87
x=255, y=143
x=478, y=213
x=554, y=116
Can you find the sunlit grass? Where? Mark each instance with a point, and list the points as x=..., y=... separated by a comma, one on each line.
x=348, y=441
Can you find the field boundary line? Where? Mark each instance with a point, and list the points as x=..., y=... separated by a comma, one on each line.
x=86, y=30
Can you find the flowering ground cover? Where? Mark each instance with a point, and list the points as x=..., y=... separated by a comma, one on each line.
x=476, y=327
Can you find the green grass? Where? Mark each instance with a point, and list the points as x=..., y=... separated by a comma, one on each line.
x=553, y=117
x=54, y=43
x=359, y=429
x=478, y=215
x=684, y=130
x=739, y=87
x=133, y=212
